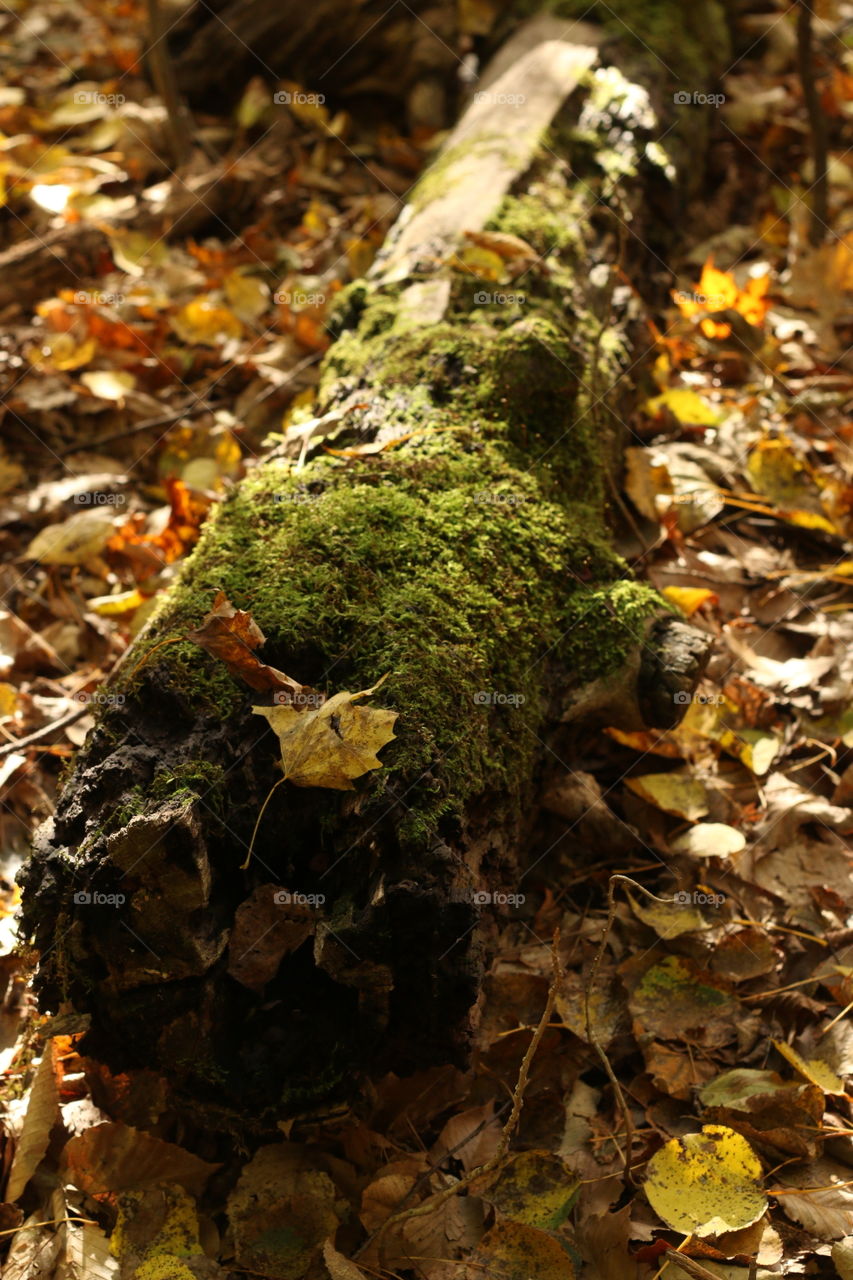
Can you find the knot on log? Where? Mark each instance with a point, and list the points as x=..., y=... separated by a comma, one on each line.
x=674, y=659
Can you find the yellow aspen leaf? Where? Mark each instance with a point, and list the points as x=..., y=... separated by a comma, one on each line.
x=676, y=793
x=536, y=1188
x=114, y=606
x=813, y=1069
x=62, y=352
x=669, y=919
x=706, y=1183
x=756, y=748
x=650, y=742
x=248, y=296
x=485, y=264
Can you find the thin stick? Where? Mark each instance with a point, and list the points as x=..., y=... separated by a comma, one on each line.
x=591, y=1036
x=51, y=1222
x=434, y=1202
x=244, y=866
x=20, y=743
x=817, y=123
x=163, y=75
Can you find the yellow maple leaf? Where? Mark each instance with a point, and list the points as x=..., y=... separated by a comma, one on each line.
x=718, y=291
x=331, y=744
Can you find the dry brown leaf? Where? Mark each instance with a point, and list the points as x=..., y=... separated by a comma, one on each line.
x=117, y=1157
x=676, y=1000
x=822, y=1203
x=282, y=1211
x=42, y=1114
x=77, y=540
x=513, y=1251
x=232, y=635
x=605, y=1242
x=339, y=1267
x=476, y=1130
x=266, y=928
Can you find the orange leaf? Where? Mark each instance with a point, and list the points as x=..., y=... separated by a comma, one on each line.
x=232, y=635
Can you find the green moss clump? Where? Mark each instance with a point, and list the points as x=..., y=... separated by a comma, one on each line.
x=606, y=624
x=450, y=564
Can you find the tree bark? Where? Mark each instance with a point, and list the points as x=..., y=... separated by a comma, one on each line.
x=454, y=536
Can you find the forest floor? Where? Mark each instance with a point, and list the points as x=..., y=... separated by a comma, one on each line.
x=700, y=878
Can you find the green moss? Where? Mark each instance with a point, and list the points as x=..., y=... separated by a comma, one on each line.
x=546, y=216
x=605, y=624
x=465, y=563
x=450, y=565
x=690, y=42
x=196, y=777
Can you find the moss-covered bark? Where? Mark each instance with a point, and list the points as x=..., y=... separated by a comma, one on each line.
x=471, y=562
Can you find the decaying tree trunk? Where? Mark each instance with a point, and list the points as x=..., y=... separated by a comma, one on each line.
x=453, y=535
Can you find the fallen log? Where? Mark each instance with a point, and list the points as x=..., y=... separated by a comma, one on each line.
x=445, y=524
x=74, y=254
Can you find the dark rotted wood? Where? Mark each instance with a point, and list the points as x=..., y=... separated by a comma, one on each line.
x=367, y=52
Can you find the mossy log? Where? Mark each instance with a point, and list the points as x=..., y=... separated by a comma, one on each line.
x=454, y=535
